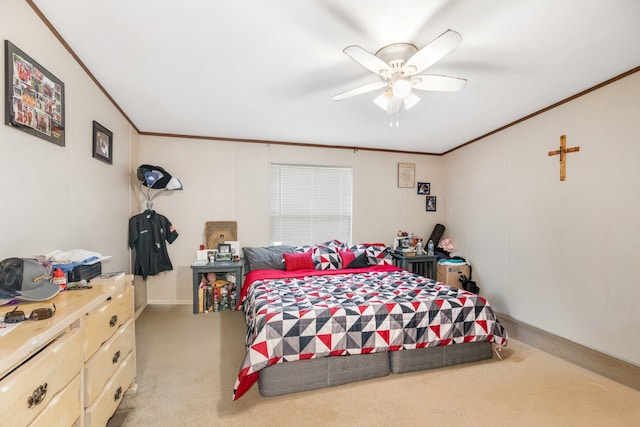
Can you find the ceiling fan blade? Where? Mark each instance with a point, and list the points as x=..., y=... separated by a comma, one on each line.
x=437, y=83
x=433, y=52
x=368, y=60
x=359, y=91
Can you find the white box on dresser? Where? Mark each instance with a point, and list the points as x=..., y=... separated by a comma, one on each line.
x=73, y=368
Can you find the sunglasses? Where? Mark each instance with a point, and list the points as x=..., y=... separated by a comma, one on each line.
x=16, y=316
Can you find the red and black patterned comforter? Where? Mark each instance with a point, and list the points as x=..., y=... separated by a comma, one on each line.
x=358, y=311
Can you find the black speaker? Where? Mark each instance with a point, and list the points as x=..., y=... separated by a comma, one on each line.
x=84, y=272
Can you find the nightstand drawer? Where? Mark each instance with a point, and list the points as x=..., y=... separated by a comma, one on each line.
x=28, y=390
x=105, y=405
x=102, y=323
x=106, y=361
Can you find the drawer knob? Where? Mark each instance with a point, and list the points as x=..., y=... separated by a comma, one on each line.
x=113, y=321
x=118, y=393
x=38, y=395
x=116, y=356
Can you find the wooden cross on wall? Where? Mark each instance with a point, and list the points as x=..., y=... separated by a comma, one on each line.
x=563, y=154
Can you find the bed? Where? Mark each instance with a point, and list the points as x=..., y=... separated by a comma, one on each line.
x=332, y=314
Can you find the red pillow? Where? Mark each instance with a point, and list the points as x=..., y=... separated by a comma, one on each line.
x=347, y=256
x=298, y=261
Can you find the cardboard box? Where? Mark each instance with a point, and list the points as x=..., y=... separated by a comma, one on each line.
x=449, y=274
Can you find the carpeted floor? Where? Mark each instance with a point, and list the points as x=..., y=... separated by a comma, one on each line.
x=187, y=365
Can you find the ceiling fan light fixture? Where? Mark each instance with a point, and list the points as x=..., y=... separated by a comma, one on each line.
x=401, y=88
x=410, y=101
x=382, y=100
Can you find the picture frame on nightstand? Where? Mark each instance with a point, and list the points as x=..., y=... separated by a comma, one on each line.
x=224, y=252
x=235, y=246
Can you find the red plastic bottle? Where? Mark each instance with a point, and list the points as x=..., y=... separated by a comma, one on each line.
x=60, y=279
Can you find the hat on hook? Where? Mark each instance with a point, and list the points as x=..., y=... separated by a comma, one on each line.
x=174, y=184
x=159, y=177
x=151, y=178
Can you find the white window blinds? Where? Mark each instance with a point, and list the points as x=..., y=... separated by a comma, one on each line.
x=310, y=204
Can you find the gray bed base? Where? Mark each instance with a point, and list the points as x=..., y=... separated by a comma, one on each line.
x=304, y=375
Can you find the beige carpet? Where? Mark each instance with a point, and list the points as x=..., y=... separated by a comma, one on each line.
x=187, y=366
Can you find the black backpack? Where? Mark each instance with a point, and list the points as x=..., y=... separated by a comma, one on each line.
x=468, y=284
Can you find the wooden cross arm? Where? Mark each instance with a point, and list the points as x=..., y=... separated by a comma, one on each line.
x=567, y=150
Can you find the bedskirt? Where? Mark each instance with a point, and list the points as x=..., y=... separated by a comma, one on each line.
x=313, y=374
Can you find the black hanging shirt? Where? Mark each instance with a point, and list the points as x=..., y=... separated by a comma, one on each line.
x=149, y=233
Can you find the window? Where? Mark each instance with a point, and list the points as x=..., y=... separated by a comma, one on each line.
x=310, y=204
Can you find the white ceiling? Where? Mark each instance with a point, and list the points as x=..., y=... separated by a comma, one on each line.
x=266, y=69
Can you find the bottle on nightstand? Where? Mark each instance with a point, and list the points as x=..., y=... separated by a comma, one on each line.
x=430, y=248
x=216, y=299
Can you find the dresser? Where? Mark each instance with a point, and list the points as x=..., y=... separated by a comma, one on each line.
x=73, y=368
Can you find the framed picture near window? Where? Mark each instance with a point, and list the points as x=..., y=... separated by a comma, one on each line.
x=431, y=203
x=102, y=143
x=34, y=98
x=424, y=188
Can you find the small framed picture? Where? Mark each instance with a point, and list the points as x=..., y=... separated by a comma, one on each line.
x=431, y=203
x=224, y=252
x=102, y=143
x=424, y=188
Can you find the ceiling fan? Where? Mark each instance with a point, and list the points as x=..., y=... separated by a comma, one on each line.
x=398, y=66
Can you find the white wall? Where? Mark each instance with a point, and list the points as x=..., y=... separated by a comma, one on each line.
x=561, y=256
x=61, y=197
x=229, y=181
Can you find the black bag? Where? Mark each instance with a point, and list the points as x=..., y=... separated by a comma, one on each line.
x=468, y=284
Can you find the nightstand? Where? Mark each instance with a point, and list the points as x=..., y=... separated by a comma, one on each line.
x=424, y=265
x=216, y=267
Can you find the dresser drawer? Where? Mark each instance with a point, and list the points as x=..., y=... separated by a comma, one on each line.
x=64, y=408
x=29, y=389
x=104, y=321
x=106, y=361
x=105, y=405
